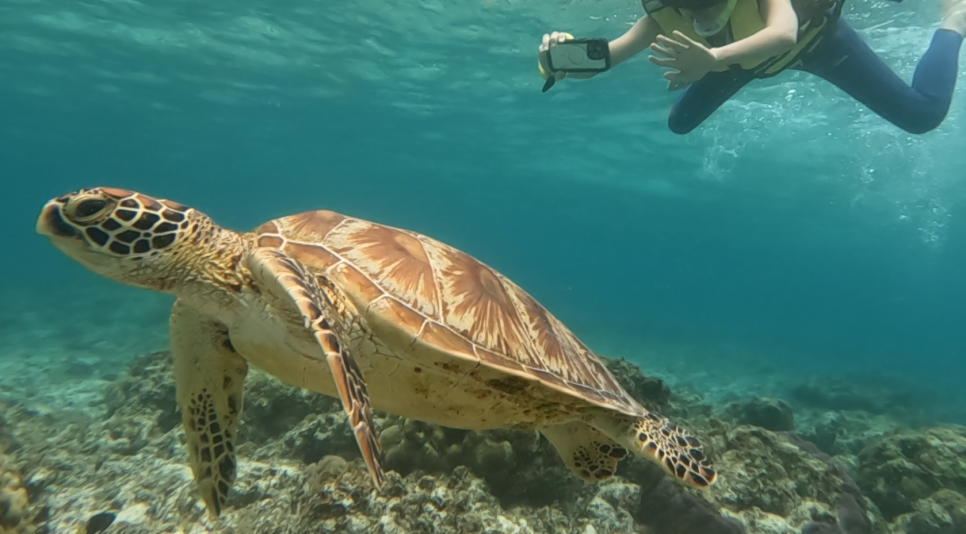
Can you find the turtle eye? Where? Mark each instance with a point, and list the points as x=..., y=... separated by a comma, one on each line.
x=89, y=208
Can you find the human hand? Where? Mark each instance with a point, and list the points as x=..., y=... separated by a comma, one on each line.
x=691, y=59
x=549, y=41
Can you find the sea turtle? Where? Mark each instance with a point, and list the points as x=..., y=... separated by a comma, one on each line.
x=378, y=316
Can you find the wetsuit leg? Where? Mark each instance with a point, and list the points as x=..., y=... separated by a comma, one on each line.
x=845, y=60
x=705, y=96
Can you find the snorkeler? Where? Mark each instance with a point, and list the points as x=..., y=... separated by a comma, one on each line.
x=716, y=47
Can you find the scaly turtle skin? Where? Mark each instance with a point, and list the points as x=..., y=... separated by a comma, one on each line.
x=379, y=317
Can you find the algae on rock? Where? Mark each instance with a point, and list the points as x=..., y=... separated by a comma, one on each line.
x=901, y=469
x=16, y=514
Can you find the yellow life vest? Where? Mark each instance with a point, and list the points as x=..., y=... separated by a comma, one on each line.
x=745, y=20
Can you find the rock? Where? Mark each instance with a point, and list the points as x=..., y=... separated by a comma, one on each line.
x=146, y=391
x=842, y=433
x=778, y=482
x=955, y=505
x=15, y=510
x=99, y=522
x=944, y=512
x=80, y=369
x=319, y=473
x=767, y=472
x=667, y=507
x=651, y=392
x=853, y=510
x=870, y=393
x=766, y=412
x=900, y=469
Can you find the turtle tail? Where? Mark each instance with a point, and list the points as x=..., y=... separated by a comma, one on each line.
x=655, y=438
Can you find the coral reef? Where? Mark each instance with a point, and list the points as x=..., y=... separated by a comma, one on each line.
x=944, y=512
x=918, y=478
x=843, y=433
x=876, y=393
x=16, y=514
x=118, y=466
x=765, y=412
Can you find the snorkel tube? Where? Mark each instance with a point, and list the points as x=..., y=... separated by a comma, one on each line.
x=709, y=27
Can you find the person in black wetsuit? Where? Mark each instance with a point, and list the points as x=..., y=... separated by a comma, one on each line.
x=716, y=47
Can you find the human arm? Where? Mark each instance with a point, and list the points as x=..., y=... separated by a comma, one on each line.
x=777, y=37
x=633, y=41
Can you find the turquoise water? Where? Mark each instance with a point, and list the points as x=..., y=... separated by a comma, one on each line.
x=794, y=235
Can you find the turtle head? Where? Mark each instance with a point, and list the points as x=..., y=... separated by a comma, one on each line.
x=122, y=235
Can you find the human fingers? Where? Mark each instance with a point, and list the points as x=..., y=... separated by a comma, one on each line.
x=673, y=76
x=664, y=40
x=669, y=52
x=684, y=39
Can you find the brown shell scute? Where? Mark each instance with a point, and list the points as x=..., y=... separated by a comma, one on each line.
x=313, y=226
x=493, y=312
x=395, y=259
x=476, y=305
x=270, y=241
x=447, y=298
x=437, y=335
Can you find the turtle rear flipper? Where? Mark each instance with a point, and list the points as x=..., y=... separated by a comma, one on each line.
x=315, y=298
x=653, y=437
x=587, y=452
x=209, y=376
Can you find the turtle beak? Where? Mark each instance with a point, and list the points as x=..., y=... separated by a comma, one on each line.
x=51, y=223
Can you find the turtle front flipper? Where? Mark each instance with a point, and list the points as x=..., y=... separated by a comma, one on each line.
x=322, y=309
x=209, y=376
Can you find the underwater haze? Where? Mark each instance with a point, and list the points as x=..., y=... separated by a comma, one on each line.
x=793, y=239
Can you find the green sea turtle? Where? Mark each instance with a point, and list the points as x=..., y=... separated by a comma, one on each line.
x=380, y=317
